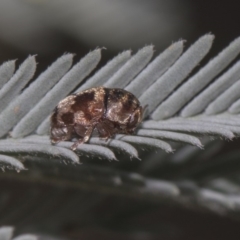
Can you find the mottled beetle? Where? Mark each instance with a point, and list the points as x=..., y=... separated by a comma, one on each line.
x=108, y=110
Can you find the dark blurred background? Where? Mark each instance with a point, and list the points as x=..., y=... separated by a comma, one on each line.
x=50, y=28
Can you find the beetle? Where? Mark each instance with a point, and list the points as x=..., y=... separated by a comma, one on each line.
x=108, y=110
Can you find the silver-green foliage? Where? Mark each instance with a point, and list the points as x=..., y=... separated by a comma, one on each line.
x=179, y=108
x=6, y=233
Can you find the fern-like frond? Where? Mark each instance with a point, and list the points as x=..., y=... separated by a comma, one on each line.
x=6, y=233
x=179, y=108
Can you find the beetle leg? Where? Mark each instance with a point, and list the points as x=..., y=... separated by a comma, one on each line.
x=88, y=133
x=74, y=146
x=106, y=129
x=59, y=134
x=84, y=134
